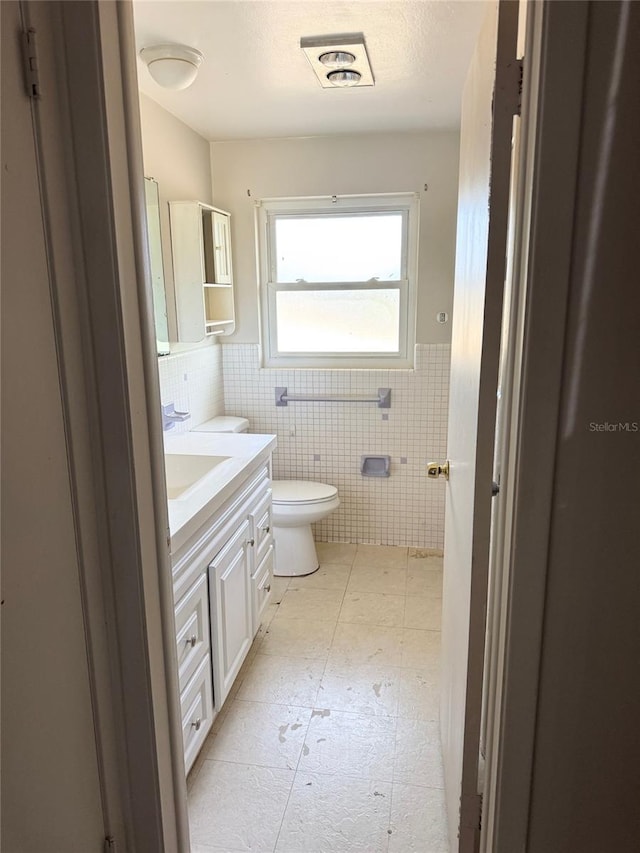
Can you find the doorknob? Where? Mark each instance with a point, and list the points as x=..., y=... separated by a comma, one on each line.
x=435, y=470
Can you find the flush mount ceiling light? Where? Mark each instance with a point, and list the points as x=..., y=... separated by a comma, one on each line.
x=172, y=66
x=339, y=61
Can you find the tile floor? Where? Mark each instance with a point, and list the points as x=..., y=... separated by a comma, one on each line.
x=329, y=741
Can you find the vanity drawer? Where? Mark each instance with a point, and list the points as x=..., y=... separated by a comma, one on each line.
x=262, y=583
x=192, y=630
x=263, y=527
x=196, y=705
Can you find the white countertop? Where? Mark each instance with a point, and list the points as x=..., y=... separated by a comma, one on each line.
x=246, y=451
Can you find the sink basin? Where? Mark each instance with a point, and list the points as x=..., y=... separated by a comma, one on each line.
x=184, y=471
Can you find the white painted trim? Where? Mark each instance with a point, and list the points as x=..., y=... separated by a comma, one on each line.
x=555, y=59
x=106, y=333
x=176, y=818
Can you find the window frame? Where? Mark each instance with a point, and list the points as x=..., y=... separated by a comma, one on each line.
x=268, y=211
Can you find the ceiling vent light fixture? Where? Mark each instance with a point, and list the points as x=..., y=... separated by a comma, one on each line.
x=347, y=77
x=339, y=61
x=172, y=66
x=337, y=58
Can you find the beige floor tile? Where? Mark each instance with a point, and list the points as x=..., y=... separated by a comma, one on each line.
x=366, y=644
x=385, y=580
x=336, y=552
x=419, y=695
x=418, y=820
x=381, y=555
x=360, y=689
x=418, y=758
x=351, y=744
x=282, y=681
x=421, y=582
x=261, y=734
x=234, y=807
x=298, y=638
x=424, y=612
x=421, y=649
x=373, y=608
x=336, y=814
x=320, y=604
x=330, y=576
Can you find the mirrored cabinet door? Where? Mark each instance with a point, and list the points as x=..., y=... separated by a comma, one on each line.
x=157, y=268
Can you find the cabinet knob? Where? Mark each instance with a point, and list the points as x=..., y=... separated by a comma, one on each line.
x=191, y=641
x=197, y=723
x=266, y=529
x=268, y=588
x=251, y=542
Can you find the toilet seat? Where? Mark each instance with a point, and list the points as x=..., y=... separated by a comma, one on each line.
x=301, y=492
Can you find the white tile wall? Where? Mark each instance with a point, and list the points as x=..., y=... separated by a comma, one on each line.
x=192, y=381
x=324, y=441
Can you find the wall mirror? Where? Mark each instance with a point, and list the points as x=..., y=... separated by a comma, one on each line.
x=157, y=269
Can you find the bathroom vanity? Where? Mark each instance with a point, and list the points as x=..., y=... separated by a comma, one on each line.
x=222, y=548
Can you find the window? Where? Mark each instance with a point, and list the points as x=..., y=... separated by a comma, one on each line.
x=338, y=280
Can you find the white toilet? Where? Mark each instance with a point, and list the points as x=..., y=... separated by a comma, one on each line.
x=297, y=504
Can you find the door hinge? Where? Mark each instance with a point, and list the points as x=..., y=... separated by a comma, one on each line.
x=30, y=62
x=110, y=845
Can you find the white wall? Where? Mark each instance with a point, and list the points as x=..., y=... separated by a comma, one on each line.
x=324, y=441
x=400, y=162
x=192, y=381
x=328, y=439
x=178, y=158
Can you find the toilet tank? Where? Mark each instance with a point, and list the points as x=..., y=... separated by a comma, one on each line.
x=223, y=424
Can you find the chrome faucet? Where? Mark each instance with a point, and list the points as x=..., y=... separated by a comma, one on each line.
x=170, y=417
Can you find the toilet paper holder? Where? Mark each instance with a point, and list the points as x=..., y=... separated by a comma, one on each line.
x=377, y=465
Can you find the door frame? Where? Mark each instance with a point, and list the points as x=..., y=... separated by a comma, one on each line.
x=87, y=129
x=98, y=35
x=554, y=71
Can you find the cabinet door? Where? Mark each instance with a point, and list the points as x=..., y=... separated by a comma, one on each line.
x=222, y=248
x=231, y=611
x=188, y=268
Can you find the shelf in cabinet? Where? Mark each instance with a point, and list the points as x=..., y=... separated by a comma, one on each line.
x=216, y=327
x=213, y=284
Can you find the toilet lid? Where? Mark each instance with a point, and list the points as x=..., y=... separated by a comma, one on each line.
x=301, y=492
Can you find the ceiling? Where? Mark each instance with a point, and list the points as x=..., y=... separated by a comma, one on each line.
x=255, y=81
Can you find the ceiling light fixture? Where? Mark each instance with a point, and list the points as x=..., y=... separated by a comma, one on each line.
x=339, y=61
x=172, y=66
x=337, y=58
x=344, y=78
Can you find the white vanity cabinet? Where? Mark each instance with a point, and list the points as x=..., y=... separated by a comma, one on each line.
x=222, y=580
